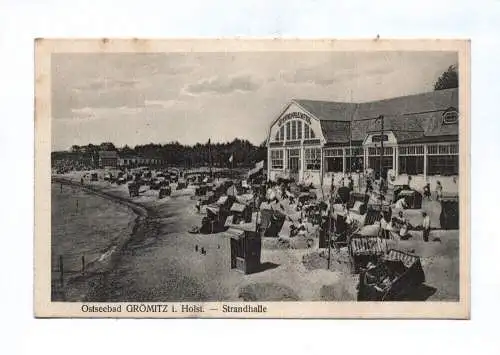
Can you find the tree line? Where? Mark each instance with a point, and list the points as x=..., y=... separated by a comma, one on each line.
x=244, y=153
x=447, y=80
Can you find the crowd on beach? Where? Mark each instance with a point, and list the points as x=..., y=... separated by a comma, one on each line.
x=306, y=205
x=392, y=221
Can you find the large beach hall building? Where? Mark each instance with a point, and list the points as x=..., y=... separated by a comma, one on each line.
x=314, y=141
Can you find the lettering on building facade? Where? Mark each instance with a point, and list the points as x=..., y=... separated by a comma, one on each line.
x=294, y=115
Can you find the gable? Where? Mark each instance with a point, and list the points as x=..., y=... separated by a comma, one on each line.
x=294, y=113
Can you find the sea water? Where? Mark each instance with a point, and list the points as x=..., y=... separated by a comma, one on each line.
x=86, y=231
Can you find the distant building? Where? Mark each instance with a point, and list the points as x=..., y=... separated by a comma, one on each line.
x=108, y=159
x=310, y=141
x=129, y=160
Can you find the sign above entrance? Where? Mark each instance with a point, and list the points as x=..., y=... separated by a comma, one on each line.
x=380, y=138
x=294, y=115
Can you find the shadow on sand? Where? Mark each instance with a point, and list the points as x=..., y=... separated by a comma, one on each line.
x=263, y=267
x=418, y=293
x=267, y=291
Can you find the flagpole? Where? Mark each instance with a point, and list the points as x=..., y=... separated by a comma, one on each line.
x=210, y=158
x=350, y=141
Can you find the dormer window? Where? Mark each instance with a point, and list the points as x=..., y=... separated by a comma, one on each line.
x=280, y=135
x=450, y=116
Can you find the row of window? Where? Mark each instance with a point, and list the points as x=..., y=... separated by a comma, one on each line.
x=292, y=130
x=432, y=149
x=436, y=164
x=445, y=164
x=411, y=165
x=375, y=151
x=312, y=158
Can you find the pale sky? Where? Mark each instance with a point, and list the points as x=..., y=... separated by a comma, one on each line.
x=191, y=97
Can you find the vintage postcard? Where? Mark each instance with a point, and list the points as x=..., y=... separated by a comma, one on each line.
x=252, y=178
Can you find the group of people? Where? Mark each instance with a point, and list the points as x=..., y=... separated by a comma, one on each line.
x=395, y=224
x=439, y=191
x=389, y=226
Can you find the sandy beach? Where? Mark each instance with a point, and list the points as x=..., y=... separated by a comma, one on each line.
x=161, y=261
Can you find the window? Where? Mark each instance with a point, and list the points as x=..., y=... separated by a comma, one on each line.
x=442, y=159
x=354, y=158
x=288, y=136
x=308, y=132
x=334, y=164
x=374, y=163
x=277, y=138
x=336, y=152
x=277, y=159
x=313, y=158
x=299, y=129
x=375, y=151
x=411, y=150
x=442, y=165
x=411, y=159
x=354, y=152
x=334, y=161
x=294, y=130
x=294, y=160
x=450, y=117
x=443, y=149
x=411, y=164
x=432, y=149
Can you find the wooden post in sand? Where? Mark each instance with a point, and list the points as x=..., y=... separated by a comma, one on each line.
x=83, y=265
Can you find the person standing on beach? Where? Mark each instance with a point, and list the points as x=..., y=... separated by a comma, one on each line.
x=427, y=191
x=439, y=191
x=426, y=224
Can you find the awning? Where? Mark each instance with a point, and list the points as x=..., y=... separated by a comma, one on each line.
x=245, y=199
x=254, y=171
x=407, y=193
x=213, y=209
x=232, y=191
x=258, y=167
x=371, y=230
x=222, y=200
x=235, y=233
x=238, y=207
x=368, y=245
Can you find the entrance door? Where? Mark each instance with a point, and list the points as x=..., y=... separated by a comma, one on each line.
x=294, y=163
x=374, y=163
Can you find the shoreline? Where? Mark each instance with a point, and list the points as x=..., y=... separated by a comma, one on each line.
x=99, y=269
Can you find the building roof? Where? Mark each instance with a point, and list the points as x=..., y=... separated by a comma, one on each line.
x=128, y=155
x=410, y=117
x=327, y=110
x=108, y=154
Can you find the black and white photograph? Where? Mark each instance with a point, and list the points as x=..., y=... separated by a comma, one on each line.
x=222, y=181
